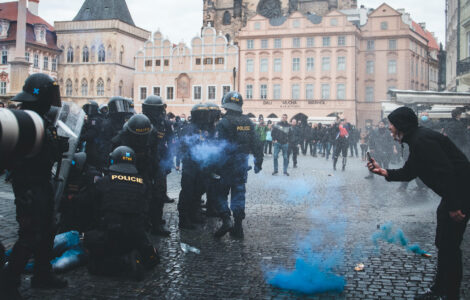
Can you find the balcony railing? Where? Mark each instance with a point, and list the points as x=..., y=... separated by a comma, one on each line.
x=463, y=66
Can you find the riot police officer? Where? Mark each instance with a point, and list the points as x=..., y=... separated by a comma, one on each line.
x=91, y=132
x=34, y=195
x=126, y=247
x=238, y=130
x=155, y=109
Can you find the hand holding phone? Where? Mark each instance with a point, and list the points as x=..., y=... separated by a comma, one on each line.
x=369, y=158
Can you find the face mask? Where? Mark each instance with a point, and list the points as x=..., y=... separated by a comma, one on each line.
x=424, y=118
x=182, y=119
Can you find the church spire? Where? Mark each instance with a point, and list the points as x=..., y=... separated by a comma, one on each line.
x=105, y=10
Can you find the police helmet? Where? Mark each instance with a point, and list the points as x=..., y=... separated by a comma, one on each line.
x=104, y=109
x=138, y=125
x=200, y=114
x=233, y=101
x=122, y=160
x=214, y=112
x=120, y=105
x=41, y=89
x=91, y=108
x=153, y=105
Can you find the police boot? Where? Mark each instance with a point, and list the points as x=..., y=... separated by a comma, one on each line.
x=9, y=285
x=237, y=231
x=134, y=265
x=185, y=222
x=48, y=281
x=227, y=226
x=150, y=257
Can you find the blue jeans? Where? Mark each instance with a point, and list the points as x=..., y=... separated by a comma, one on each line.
x=277, y=148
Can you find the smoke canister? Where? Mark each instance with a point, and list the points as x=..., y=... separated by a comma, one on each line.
x=21, y=134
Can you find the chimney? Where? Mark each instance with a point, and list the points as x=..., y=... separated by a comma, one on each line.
x=33, y=7
x=423, y=25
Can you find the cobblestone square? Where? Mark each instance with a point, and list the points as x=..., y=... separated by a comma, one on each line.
x=281, y=212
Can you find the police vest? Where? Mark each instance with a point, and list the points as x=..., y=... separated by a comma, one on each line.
x=124, y=193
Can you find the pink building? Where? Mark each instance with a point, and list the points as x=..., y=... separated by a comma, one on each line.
x=317, y=66
x=185, y=76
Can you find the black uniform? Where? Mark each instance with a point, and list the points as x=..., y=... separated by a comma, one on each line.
x=295, y=138
x=444, y=168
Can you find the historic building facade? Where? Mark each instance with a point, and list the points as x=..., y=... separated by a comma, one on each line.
x=98, y=48
x=325, y=65
x=41, y=51
x=184, y=76
x=230, y=16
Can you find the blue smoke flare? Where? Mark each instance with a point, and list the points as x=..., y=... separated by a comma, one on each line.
x=391, y=236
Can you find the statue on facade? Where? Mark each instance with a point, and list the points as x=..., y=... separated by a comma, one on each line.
x=269, y=8
x=293, y=6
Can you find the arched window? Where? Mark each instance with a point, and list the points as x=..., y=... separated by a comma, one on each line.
x=84, y=87
x=100, y=87
x=93, y=52
x=109, y=54
x=70, y=55
x=101, y=54
x=227, y=19
x=121, y=55
x=108, y=84
x=86, y=54
x=68, y=88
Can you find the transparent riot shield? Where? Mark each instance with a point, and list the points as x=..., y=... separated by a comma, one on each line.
x=69, y=122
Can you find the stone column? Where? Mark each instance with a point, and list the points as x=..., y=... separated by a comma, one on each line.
x=19, y=66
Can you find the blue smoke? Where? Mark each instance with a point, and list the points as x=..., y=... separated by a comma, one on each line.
x=320, y=253
x=293, y=190
x=389, y=235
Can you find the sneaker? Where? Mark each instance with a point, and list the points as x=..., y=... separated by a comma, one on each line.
x=226, y=227
x=430, y=295
x=48, y=281
x=275, y=173
x=287, y=174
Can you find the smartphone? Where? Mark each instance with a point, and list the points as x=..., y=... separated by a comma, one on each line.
x=369, y=158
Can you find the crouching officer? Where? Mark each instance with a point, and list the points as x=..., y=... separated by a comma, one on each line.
x=126, y=247
x=239, y=132
x=34, y=195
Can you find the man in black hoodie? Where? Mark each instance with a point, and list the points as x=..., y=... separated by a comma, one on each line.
x=281, y=133
x=436, y=160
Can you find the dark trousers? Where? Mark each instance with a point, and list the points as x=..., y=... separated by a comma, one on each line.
x=237, y=201
x=353, y=149
x=192, y=188
x=157, y=199
x=449, y=236
x=304, y=145
x=313, y=148
x=364, y=150
x=35, y=216
x=268, y=146
x=294, y=151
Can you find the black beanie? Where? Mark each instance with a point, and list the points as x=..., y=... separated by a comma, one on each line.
x=404, y=119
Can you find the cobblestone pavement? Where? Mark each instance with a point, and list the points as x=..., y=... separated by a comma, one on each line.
x=278, y=217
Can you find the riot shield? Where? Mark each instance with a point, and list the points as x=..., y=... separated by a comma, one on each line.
x=69, y=123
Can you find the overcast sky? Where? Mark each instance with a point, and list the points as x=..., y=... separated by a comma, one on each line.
x=182, y=19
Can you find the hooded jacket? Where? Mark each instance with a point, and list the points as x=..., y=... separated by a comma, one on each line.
x=435, y=159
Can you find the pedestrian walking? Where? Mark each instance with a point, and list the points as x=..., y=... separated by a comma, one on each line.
x=280, y=134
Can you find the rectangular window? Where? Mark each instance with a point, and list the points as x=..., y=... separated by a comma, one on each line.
x=26, y=56
x=219, y=61
x=325, y=63
x=170, y=93
x=263, y=65
x=143, y=93
x=226, y=89
x=296, y=42
x=277, y=43
x=197, y=92
x=326, y=41
x=249, y=91
x=295, y=64
x=325, y=91
x=263, y=91
x=156, y=91
x=309, y=91
x=54, y=64
x=166, y=62
x=392, y=44
x=310, y=42
x=208, y=61
x=310, y=64
x=295, y=91
x=264, y=44
x=158, y=62
x=392, y=66
x=46, y=62
x=249, y=65
x=370, y=67
x=341, y=40
x=384, y=25
x=278, y=65
x=3, y=88
x=4, y=57
x=198, y=61
x=370, y=94
x=341, y=91
x=250, y=44
x=211, y=92
x=341, y=63
x=148, y=63
x=36, y=60
x=276, y=91
x=370, y=45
